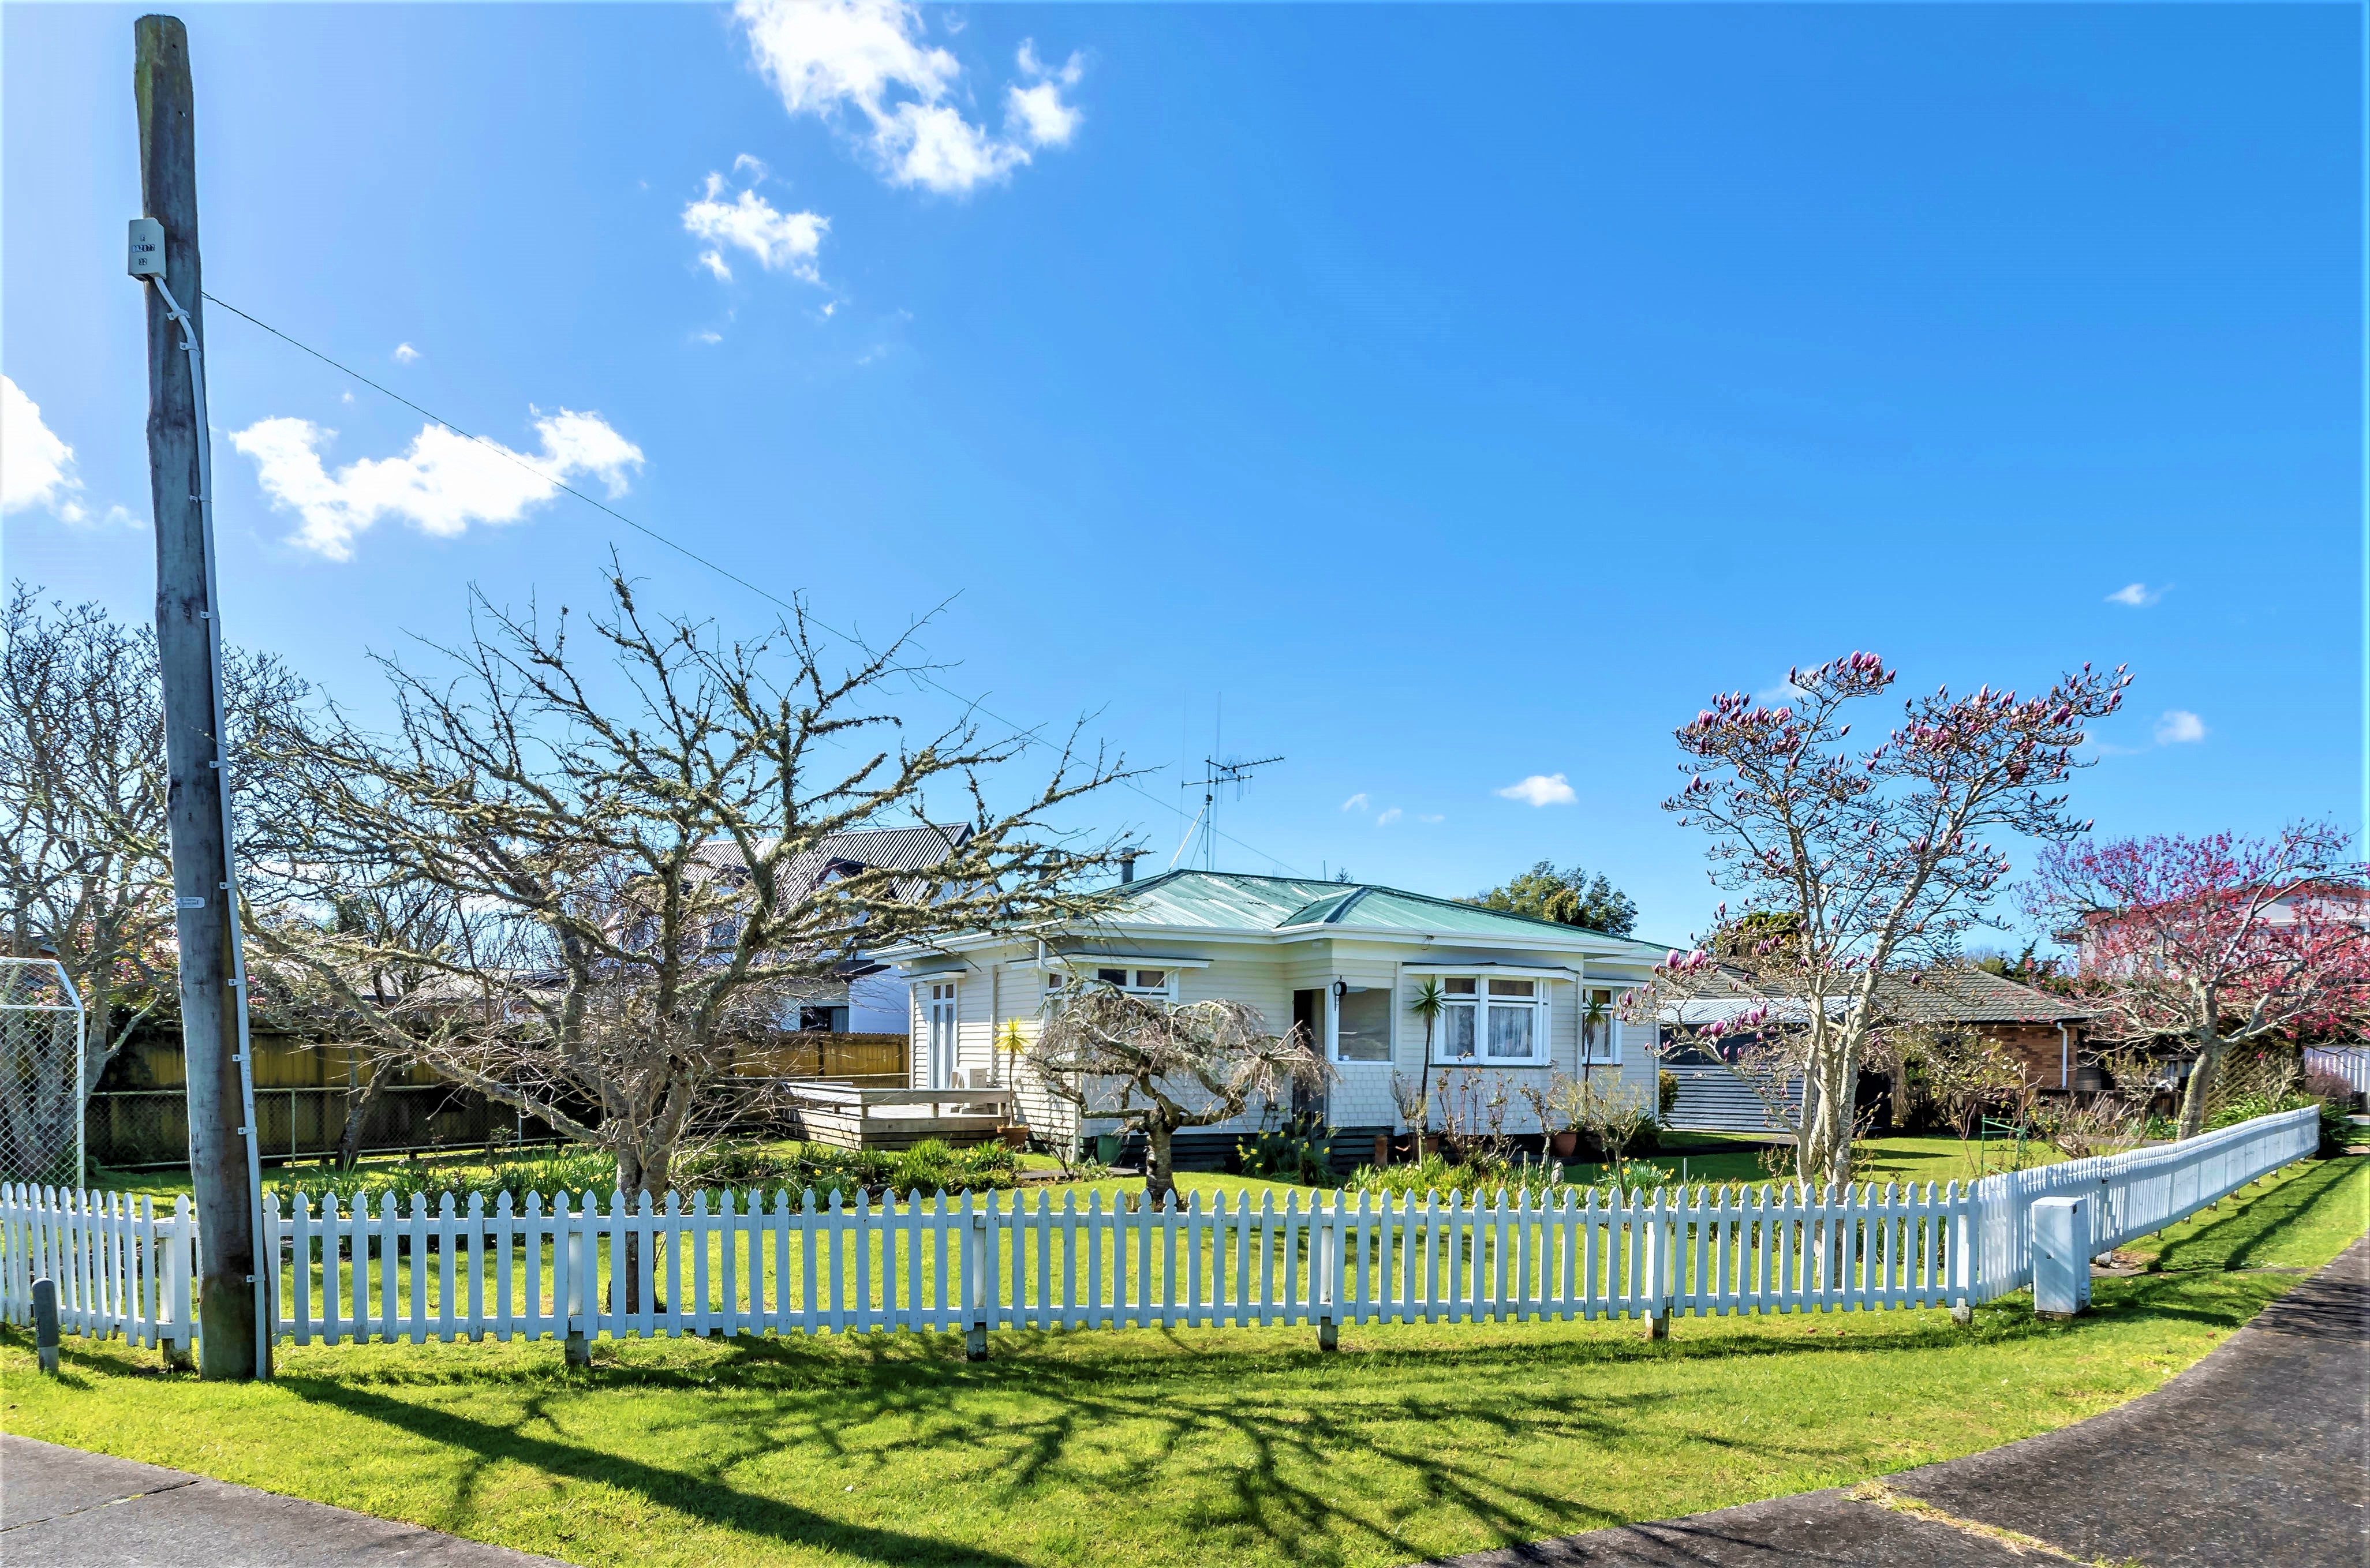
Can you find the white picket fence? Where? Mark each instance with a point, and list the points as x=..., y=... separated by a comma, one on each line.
x=2138, y=1192
x=727, y=1262
x=119, y=1265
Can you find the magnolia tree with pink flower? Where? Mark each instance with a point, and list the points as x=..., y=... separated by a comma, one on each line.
x=2217, y=942
x=1867, y=860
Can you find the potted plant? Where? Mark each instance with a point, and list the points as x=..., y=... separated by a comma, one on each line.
x=1560, y=1106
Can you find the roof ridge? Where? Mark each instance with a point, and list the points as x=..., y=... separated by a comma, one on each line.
x=1364, y=887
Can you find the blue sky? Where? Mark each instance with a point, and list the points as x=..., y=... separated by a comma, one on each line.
x=1457, y=396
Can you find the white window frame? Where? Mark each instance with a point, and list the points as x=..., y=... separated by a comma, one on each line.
x=1058, y=980
x=938, y=1072
x=1542, y=1020
x=1333, y=1026
x=1584, y=990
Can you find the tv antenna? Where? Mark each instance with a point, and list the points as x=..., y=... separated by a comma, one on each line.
x=1217, y=774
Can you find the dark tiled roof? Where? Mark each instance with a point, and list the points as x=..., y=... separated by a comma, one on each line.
x=1938, y=995
x=917, y=848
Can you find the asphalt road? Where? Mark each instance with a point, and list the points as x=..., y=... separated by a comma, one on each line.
x=66, y=1508
x=2255, y=1457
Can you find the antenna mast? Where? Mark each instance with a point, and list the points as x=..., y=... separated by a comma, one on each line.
x=1217, y=772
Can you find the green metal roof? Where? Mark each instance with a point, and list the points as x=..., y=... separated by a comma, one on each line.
x=1225, y=901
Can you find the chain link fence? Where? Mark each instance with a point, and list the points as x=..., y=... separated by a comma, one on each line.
x=41, y=1045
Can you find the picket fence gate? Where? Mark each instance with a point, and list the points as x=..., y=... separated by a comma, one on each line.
x=731, y=1263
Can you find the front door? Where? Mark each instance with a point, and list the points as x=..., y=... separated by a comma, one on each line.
x=1308, y=1022
x=940, y=1042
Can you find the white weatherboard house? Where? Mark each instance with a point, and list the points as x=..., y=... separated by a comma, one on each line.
x=1524, y=997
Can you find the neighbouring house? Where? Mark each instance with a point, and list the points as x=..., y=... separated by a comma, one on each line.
x=1524, y=997
x=2103, y=948
x=862, y=997
x=2041, y=1031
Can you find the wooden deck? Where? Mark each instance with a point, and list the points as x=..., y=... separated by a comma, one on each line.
x=849, y=1118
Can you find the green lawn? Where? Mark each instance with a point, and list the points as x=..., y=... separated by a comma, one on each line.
x=1234, y=1446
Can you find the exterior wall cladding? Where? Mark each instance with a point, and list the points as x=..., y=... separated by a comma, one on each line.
x=999, y=990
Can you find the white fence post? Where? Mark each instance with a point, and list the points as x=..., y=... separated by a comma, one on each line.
x=174, y=1328
x=977, y=1239
x=2061, y=1255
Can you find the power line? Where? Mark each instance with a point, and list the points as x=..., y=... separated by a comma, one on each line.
x=1029, y=736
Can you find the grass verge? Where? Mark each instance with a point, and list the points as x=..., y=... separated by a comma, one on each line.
x=1234, y=1446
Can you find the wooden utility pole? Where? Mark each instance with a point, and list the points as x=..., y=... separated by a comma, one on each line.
x=231, y=1337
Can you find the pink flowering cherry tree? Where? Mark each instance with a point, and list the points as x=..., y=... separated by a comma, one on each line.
x=1867, y=860
x=2217, y=942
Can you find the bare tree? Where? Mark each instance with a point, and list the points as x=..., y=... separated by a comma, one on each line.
x=82, y=811
x=1161, y=1069
x=1872, y=860
x=404, y=932
x=612, y=840
x=81, y=803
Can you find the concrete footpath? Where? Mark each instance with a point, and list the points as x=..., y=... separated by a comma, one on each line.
x=66, y=1508
x=2256, y=1456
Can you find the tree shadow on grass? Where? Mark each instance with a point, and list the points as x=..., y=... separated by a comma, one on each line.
x=1243, y=1449
x=2239, y=1238
x=702, y=1498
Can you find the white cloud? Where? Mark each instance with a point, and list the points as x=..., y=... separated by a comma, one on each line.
x=1038, y=111
x=1542, y=789
x=2178, y=726
x=37, y=469
x=1388, y=817
x=1040, y=115
x=1430, y=817
x=2136, y=595
x=405, y=353
x=1355, y=803
x=711, y=337
x=440, y=485
x=826, y=57
x=781, y=242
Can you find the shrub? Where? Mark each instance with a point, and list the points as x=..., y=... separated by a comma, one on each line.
x=547, y=1175
x=2337, y=1128
x=1483, y=1179
x=930, y=1166
x=1666, y=1097
x=1297, y=1151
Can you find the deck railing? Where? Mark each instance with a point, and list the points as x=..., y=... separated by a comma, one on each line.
x=732, y=1262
